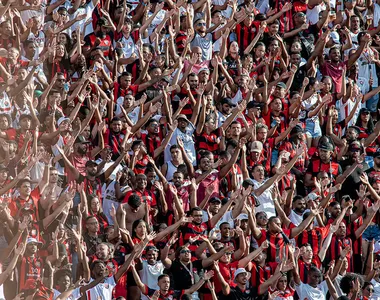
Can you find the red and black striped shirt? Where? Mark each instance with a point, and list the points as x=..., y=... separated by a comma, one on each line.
x=191, y=230
x=314, y=237
x=304, y=267
x=151, y=143
x=208, y=142
x=30, y=268
x=245, y=34
x=277, y=244
x=336, y=246
x=260, y=274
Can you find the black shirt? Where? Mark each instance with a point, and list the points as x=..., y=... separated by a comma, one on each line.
x=353, y=182
x=92, y=242
x=237, y=294
x=182, y=278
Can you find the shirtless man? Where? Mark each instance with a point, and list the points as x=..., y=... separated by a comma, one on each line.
x=131, y=211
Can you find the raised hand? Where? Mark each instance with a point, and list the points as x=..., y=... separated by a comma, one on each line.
x=362, y=191
x=194, y=239
x=151, y=236
x=364, y=178
x=334, y=228
x=208, y=275
x=264, y=245
x=345, y=251
x=273, y=295
x=113, y=211
x=173, y=239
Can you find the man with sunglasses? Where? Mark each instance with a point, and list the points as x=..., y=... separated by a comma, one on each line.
x=164, y=291
x=188, y=269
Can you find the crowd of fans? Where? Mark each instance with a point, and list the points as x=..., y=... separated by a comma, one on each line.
x=171, y=149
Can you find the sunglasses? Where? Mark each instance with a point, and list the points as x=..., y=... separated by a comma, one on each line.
x=365, y=112
x=201, y=24
x=370, y=290
x=185, y=251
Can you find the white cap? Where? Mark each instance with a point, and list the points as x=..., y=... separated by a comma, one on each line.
x=335, y=37
x=32, y=240
x=242, y=217
x=240, y=271
x=62, y=119
x=256, y=146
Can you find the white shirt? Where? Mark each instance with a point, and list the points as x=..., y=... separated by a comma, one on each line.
x=39, y=41
x=102, y=290
x=366, y=68
x=109, y=198
x=87, y=10
x=188, y=142
x=312, y=15
x=307, y=292
x=149, y=275
x=295, y=218
x=376, y=14
x=27, y=14
x=263, y=6
x=345, y=110
x=156, y=21
x=74, y=296
x=221, y=119
x=376, y=287
x=128, y=46
x=265, y=199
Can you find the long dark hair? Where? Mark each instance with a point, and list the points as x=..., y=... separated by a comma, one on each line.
x=370, y=125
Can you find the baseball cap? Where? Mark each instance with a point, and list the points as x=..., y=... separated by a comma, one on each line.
x=364, y=110
x=62, y=119
x=281, y=85
x=182, y=116
x=91, y=162
x=241, y=271
x=253, y=104
x=227, y=101
x=256, y=146
x=32, y=240
x=335, y=37
x=203, y=70
x=356, y=128
x=242, y=217
x=81, y=140
x=215, y=199
x=326, y=146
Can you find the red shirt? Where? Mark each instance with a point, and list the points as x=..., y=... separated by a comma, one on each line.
x=227, y=271
x=276, y=247
x=212, y=178
x=30, y=268
x=335, y=72
x=120, y=92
